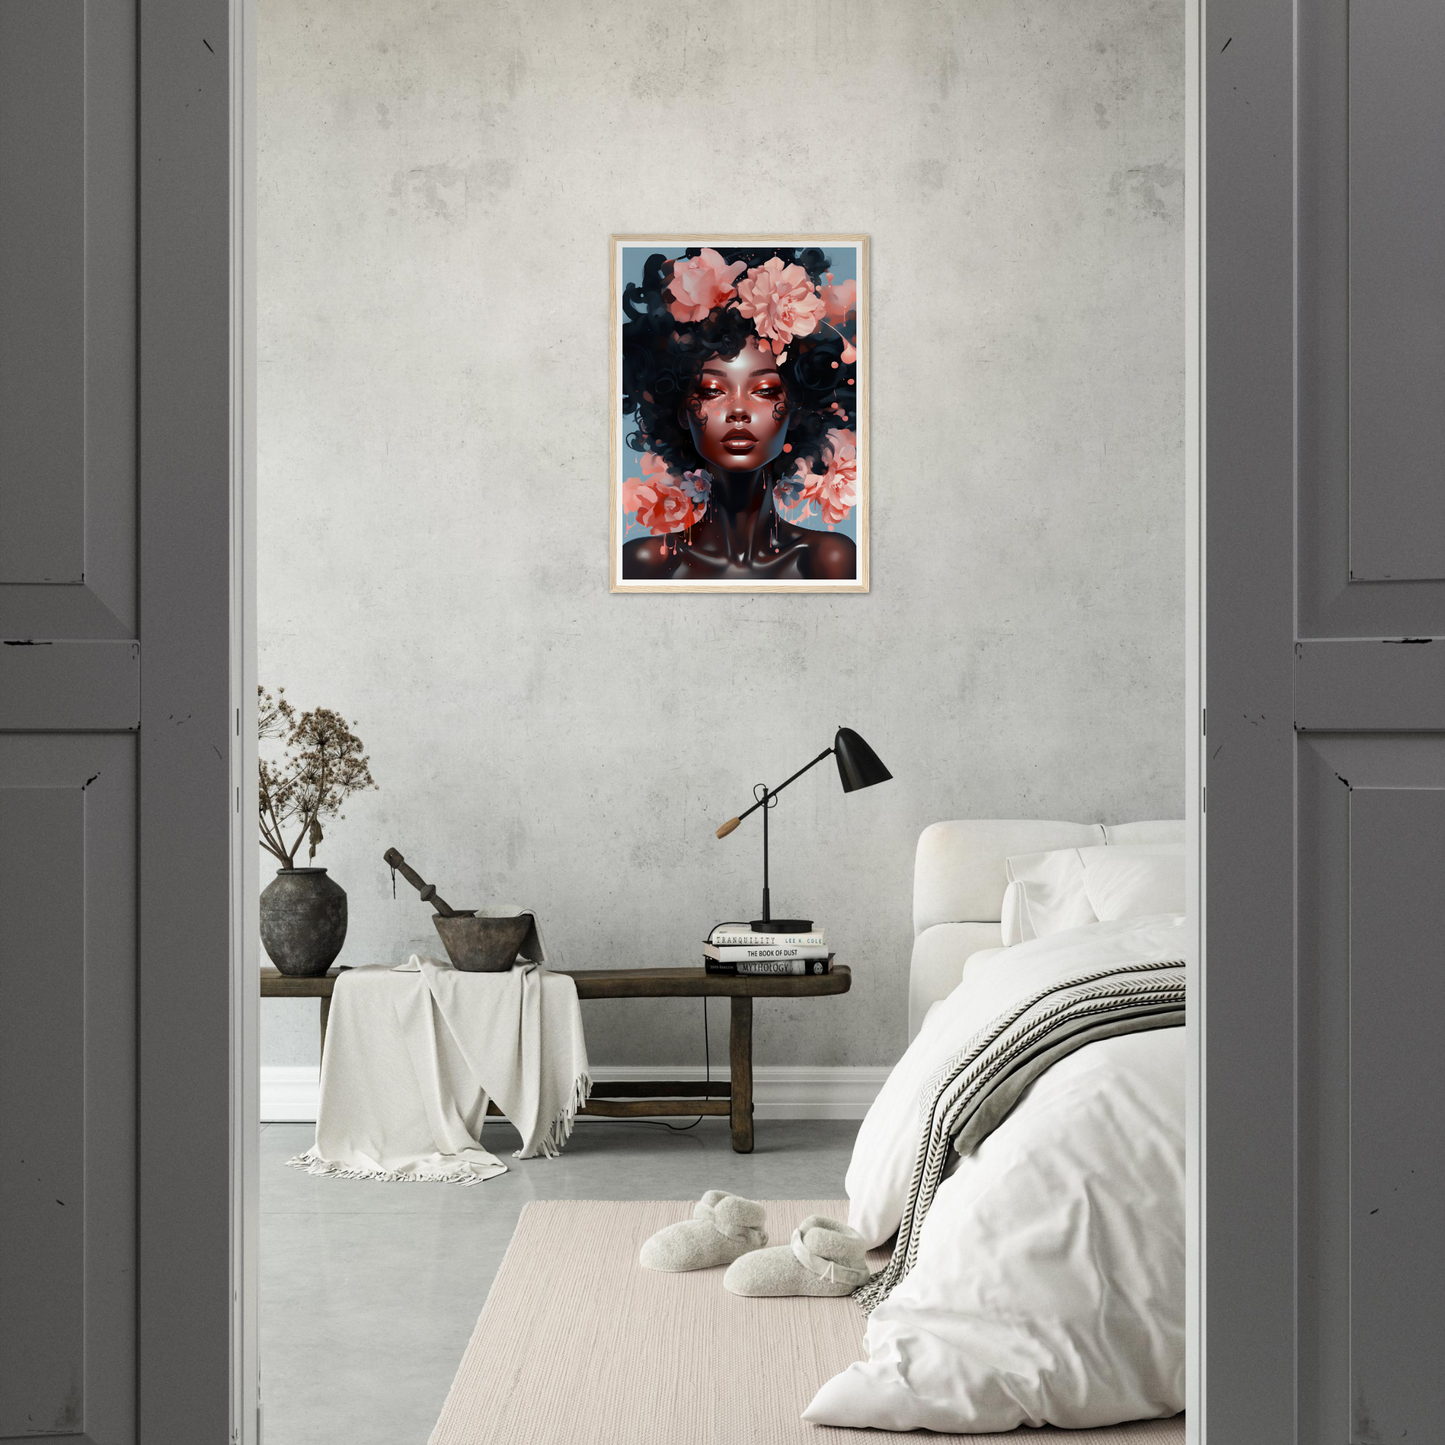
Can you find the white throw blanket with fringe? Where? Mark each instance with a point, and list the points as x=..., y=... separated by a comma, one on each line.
x=414, y=1053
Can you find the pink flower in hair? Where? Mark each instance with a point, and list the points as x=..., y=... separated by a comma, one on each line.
x=662, y=507
x=838, y=301
x=836, y=489
x=654, y=471
x=699, y=284
x=780, y=301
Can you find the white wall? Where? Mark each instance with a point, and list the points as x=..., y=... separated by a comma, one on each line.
x=437, y=185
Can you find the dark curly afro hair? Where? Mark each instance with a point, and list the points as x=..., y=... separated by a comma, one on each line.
x=661, y=358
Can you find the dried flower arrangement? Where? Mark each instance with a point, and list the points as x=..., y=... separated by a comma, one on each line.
x=321, y=765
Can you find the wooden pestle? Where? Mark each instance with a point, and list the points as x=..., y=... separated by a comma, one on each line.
x=427, y=890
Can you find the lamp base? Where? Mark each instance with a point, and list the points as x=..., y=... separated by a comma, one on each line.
x=781, y=925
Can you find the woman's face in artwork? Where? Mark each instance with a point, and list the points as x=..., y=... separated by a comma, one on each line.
x=738, y=410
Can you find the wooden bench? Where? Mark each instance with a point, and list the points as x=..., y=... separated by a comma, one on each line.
x=623, y=1100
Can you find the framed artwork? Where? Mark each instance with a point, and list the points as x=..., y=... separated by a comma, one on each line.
x=739, y=413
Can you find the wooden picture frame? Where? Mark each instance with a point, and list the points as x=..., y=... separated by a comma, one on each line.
x=688, y=530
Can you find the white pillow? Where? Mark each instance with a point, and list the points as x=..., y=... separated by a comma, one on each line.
x=1012, y=918
x=1049, y=895
x=1070, y=887
x=1133, y=880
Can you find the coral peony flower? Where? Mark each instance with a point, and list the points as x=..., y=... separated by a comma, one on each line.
x=654, y=470
x=700, y=283
x=836, y=489
x=780, y=302
x=838, y=301
x=662, y=508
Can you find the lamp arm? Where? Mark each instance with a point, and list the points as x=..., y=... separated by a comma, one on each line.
x=771, y=792
x=826, y=753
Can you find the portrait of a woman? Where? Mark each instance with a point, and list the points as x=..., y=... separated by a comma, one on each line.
x=739, y=408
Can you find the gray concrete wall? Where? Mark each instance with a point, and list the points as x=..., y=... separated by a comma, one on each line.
x=437, y=185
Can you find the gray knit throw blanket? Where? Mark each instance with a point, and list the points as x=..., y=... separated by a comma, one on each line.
x=972, y=1092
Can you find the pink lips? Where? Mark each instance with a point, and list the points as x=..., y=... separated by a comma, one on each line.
x=739, y=441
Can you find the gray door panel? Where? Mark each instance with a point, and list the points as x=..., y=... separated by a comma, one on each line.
x=42, y=1123
x=1325, y=538
x=1397, y=290
x=1322, y=1041
x=1344, y=478
x=1397, y=1111
x=1247, y=1125
x=67, y=1087
x=1371, y=1085
x=42, y=301
x=192, y=376
x=1369, y=685
x=74, y=686
x=70, y=705
x=67, y=319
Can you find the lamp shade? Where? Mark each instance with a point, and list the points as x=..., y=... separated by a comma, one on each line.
x=858, y=765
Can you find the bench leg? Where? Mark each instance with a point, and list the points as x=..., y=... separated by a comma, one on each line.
x=325, y=1015
x=742, y=1075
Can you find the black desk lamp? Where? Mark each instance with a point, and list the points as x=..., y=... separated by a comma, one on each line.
x=858, y=767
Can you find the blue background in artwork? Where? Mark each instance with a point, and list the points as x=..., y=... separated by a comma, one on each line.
x=844, y=268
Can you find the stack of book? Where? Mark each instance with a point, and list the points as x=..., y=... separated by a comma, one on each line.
x=736, y=948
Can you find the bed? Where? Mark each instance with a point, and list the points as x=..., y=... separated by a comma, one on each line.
x=1026, y=1154
x=960, y=875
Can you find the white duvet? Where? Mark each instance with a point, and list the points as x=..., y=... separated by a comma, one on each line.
x=1049, y=1287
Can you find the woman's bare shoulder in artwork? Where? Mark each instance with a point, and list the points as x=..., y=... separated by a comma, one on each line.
x=831, y=557
x=647, y=560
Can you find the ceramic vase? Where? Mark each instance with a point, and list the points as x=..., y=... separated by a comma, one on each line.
x=303, y=921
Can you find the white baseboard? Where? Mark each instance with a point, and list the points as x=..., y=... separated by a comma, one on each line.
x=289, y=1092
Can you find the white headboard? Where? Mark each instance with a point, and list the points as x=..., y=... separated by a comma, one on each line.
x=959, y=879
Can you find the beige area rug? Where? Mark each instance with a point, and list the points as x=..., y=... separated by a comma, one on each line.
x=579, y=1345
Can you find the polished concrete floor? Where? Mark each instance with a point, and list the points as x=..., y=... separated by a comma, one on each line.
x=369, y=1291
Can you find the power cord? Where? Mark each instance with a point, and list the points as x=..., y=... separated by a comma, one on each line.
x=707, y=1078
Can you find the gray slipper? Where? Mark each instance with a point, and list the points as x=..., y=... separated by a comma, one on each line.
x=723, y=1227
x=824, y=1258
